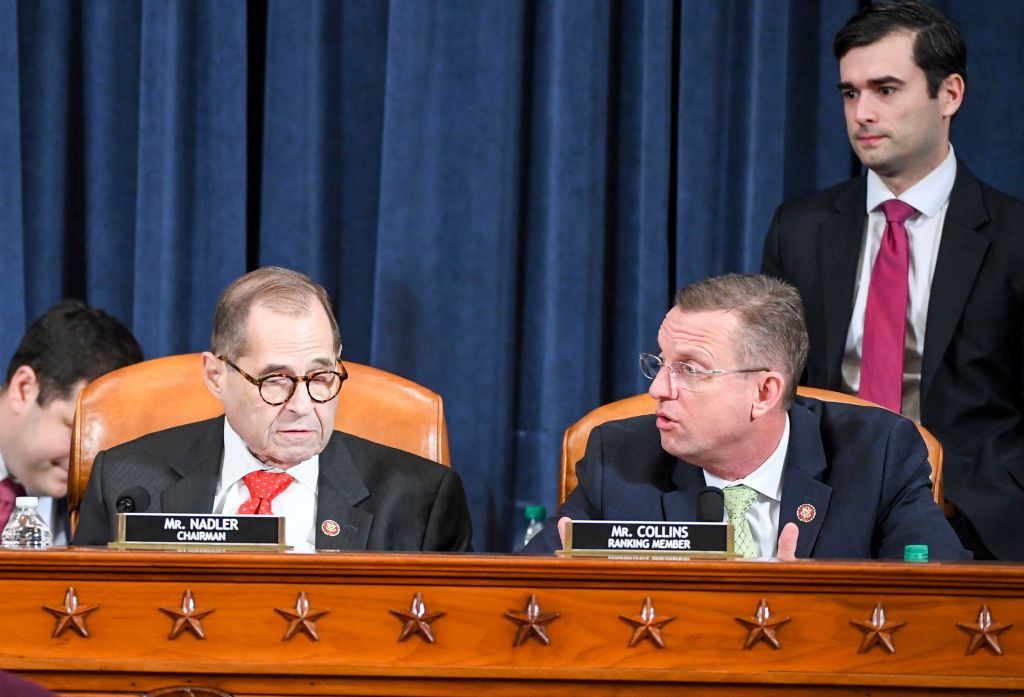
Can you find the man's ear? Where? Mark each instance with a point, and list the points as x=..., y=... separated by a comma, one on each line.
x=213, y=374
x=22, y=390
x=769, y=393
x=951, y=94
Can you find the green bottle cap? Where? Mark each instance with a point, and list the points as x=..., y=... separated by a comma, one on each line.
x=539, y=513
x=915, y=553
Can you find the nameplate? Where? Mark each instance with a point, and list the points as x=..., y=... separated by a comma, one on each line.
x=622, y=538
x=196, y=530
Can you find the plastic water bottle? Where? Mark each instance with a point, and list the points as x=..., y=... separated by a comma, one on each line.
x=26, y=529
x=534, y=523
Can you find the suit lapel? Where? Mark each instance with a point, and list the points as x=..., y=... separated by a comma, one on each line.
x=199, y=472
x=801, y=487
x=841, y=237
x=961, y=252
x=681, y=504
x=339, y=489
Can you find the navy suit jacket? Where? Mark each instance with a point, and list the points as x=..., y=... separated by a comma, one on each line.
x=383, y=498
x=972, y=369
x=865, y=471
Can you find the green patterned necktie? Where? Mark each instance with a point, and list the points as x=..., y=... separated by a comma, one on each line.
x=737, y=501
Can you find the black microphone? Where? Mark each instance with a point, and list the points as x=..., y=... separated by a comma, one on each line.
x=132, y=500
x=710, y=505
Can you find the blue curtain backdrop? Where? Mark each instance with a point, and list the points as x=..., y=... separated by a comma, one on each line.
x=500, y=195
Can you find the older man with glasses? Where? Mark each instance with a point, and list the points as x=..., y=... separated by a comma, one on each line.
x=801, y=477
x=275, y=450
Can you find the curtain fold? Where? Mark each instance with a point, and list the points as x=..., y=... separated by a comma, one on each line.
x=323, y=118
x=190, y=222
x=14, y=270
x=500, y=195
x=759, y=121
x=447, y=280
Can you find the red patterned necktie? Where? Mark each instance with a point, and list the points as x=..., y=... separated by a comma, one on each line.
x=9, y=491
x=885, y=319
x=263, y=487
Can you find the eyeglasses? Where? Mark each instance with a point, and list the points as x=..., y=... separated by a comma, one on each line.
x=275, y=389
x=686, y=375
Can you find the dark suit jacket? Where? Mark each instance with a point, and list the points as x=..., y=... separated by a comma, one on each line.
x=865, y=471
x=972, y=372
x=383, y=498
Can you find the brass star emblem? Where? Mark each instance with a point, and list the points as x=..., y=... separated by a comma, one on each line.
x=877, y=631
x=984, y=632
x=647, y=625
x=532, y=622
x=762, y=626
x=417, y=620
x=301, y=620
x=186, y=617
x=71, y=615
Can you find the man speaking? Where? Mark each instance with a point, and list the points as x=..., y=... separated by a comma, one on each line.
x=838, y=481
x=274, y=365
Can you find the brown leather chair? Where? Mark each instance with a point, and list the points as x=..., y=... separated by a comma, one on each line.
x=574, y=442
x=165, y=392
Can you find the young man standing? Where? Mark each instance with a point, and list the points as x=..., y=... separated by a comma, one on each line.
x=913, y=274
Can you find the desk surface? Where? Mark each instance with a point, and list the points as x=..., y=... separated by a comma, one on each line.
x=331, y=623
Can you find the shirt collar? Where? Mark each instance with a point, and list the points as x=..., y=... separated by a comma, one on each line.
x=238, y=462
x=3, y=468
x=766, y=480
x=926, y=196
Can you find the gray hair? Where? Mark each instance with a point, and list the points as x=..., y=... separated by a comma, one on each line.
x=772, y=331
x=281, y=290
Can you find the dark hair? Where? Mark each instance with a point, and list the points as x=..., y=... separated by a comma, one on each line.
x=72, y=342
x=772, y=331
x=281, y=290
x=939, y=48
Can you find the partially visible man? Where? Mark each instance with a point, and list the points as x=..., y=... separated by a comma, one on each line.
x=840, y=481
x=913, y=275
x=275, y=366
x=65, y=348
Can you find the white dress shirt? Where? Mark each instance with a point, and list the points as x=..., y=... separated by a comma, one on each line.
x=930, y=197
x=297, y=503
x=766, y=480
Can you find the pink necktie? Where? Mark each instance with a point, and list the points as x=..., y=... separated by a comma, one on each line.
x=885, y=320
x=263, y=487
x=9, y=491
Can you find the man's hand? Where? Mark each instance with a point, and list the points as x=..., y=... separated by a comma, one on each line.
x=787, y=542
x=562, y=522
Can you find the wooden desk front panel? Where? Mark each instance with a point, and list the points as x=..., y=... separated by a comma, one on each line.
x=128, y=650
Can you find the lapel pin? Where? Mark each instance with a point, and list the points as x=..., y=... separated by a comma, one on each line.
x=805, y=512
x=330, y=527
